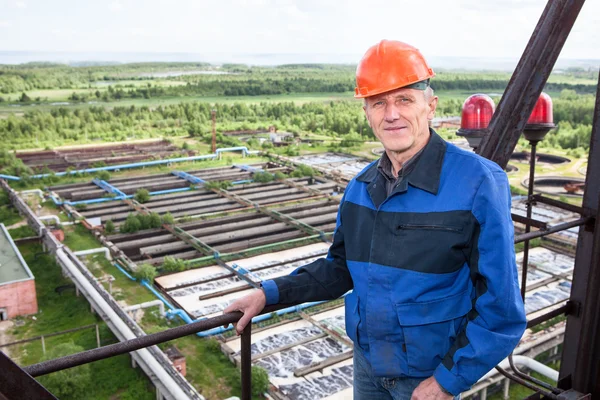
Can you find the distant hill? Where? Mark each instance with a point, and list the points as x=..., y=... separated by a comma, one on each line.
x=104, y=58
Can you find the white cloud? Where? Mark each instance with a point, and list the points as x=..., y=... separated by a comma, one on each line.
x=5, y=24
x=115, y=6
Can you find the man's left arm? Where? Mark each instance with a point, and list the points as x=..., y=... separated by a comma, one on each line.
x=497, y=320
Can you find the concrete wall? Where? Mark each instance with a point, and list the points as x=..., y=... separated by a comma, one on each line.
x=19, y=298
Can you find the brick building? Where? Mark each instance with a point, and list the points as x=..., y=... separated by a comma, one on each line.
x=17, y=284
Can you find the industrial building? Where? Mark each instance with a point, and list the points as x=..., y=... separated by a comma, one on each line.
x=17, y=283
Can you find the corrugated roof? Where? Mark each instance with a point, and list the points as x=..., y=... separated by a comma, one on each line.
x=12, y=265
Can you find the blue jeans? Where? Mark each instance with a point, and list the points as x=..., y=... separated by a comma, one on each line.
x=369, y=387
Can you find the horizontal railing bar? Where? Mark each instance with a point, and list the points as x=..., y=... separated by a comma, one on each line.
x=562, y=310
x=558, y=203
x=529, y=221
x=128, y=346
x=556, y=228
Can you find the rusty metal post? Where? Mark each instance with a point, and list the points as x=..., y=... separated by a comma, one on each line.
x=580, y=364
x=529, y=79
x=530, y=201
x=213, y=113
x=246, y=361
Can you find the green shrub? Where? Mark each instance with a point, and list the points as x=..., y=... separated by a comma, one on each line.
x=280, y=175
x=168, y=219
x=109, y=227
x=147, y=272
x=154, y=220
x=172, y=264
x=103, y=175
x=262, y=177
x=68, y=383
x=260, y=381
x=131, y=225
x=142, y=196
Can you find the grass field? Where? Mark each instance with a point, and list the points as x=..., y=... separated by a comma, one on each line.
x=61, y=310
x=62, y=95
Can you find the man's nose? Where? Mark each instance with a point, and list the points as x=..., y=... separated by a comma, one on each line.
x=391, y=113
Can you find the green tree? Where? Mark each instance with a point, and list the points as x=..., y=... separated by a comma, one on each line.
x=131, y=225
x=69, y=383
x=24, y=98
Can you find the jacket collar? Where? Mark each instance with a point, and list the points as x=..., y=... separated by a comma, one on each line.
x=427, y=171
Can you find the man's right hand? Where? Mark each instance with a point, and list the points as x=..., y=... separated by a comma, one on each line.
x=250, y=305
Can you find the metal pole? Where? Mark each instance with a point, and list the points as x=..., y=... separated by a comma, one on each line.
x=246, y=363
x=43, y=345
x=528, y=80
x=580, y=362
x=97, y=336
x=213, y=113
x=529, y=212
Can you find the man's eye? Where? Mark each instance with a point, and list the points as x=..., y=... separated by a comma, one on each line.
x=378, y=104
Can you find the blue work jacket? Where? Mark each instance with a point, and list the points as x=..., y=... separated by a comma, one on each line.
x=431, y=267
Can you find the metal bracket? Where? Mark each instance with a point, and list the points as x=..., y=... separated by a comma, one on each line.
x=574, y=308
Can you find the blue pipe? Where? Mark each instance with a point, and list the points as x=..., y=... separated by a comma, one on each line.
x=248, y=168
x=124, y=272
x=127, y=166
x=170, y=191
x=10, y=177
x=158, y=295
x=242, y=182
x=158, y=192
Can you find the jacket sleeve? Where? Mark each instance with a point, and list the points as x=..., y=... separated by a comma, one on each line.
x=497, y=319
x=323, y=279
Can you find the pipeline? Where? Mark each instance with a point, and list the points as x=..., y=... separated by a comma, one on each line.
x=124, y=272
x=243, y=149
x=107, y=199
x=525, y=362
x=160, y=304
x=52, y=217
x=166, y=379
x=127, y=166
x=10, y=177
x=148, y=286
x=104, y=250
x=33, y=191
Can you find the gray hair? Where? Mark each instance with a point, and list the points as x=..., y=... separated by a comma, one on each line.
x=428, y=93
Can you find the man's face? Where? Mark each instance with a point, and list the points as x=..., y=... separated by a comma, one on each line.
x=399, y=118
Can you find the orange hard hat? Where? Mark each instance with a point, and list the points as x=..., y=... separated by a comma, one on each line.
x=390, y=65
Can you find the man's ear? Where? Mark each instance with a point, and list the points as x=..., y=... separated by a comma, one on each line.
x=367, y=115
x=432, y=107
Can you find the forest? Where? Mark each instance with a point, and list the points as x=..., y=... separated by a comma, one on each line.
x=92, y=121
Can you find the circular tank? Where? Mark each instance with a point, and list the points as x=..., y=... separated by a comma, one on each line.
x=558, y=185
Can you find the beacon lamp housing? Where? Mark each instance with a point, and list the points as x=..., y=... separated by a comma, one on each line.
x=477, y=112
x=541, y=120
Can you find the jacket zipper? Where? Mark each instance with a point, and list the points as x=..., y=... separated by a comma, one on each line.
x=431, y=227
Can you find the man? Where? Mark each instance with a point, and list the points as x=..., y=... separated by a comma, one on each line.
x=424, y=239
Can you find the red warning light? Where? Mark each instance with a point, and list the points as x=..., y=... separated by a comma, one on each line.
x=477, y=112
x=542, y=112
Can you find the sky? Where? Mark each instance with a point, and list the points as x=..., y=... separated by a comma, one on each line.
x=333, y=30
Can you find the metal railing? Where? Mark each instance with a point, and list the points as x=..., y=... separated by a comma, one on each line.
x=128, y=346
